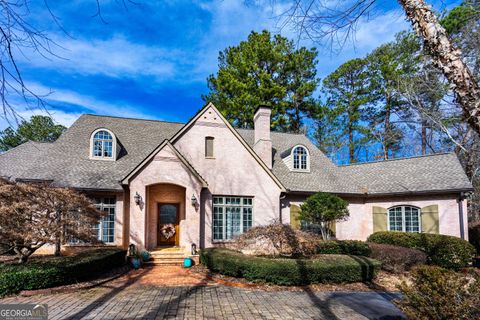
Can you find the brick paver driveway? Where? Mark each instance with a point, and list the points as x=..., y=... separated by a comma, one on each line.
x=133, y=299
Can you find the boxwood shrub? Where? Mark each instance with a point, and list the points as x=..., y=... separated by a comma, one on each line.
x=282, y=271
x=350, y=247
x=40, y=274
x=445, y=251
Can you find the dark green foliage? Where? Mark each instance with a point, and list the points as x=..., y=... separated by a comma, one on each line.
x=444, y=251
x=321, y=269
x=354, y=247
x=436, y=293
x=322, y=209
x=459, y=17
x=395, y=258
x=329, y=247
x=350, y=247
x=403, y=239
x=347, y=91
x=474, y=235
x=58, y=271
x=39, y=128
x=265, y=70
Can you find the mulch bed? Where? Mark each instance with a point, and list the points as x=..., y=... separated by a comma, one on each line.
x=383, y=282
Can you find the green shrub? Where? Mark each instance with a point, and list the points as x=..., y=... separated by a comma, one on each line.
x=444, y=251
x=402, y=239
x=355, y=247
x=329, y=247
x=281, y=271
x=437, y=293
x=351, y=247
x=58, y=271
x=474, y=235
x=395, y=258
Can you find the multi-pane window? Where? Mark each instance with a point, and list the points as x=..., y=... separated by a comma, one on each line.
x=404, y=218
x=102, y=145
x=209, y=147
x=231, y=216
x=300, y=158
x=105, y=229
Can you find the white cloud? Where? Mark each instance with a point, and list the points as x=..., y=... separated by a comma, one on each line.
x=113, y=57
x=232, y=21
x=60, y=103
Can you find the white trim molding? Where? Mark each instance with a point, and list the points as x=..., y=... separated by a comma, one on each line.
x=114, y=146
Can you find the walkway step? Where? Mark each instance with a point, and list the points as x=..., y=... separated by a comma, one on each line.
x=173, y=262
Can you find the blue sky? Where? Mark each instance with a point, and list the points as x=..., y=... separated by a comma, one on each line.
x=151, y=60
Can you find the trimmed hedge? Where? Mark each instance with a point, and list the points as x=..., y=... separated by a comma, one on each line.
x=444, y=251
x=350, y=247
x=58, y=271
x=280, y=271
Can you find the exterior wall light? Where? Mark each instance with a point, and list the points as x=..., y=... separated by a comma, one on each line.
x=194, y=200
x=138, y=199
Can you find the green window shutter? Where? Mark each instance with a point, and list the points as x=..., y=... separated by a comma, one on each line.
x=430, y=219
x=295, y=216
x=332, y=226
x=379, y=219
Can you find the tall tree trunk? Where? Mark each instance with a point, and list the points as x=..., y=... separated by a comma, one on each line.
x=447, y=58
x=58, y=237
x=387, y=134
x=424, y=137
x=351, y=146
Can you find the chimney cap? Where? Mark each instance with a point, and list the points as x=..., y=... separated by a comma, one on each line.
x=262, y=106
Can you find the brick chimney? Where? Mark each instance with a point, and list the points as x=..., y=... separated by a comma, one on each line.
x=263, y=143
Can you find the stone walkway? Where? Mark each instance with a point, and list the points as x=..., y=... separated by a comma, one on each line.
x=132, y=298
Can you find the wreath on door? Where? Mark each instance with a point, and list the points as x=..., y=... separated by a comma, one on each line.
x=168, y=231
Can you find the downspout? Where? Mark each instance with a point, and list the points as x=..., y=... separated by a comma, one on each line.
x=282, y=196
x=463, y=196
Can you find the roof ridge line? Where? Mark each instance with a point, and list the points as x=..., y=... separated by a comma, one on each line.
x=130, y=118
x=395, y=159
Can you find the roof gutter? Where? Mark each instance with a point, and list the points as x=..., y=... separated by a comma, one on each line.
x=373, y=195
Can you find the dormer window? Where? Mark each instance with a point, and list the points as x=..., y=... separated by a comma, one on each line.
x=103, y=145
x=301, y=159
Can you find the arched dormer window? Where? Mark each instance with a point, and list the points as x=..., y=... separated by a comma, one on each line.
x=103, y=145
x=404, y=218
x=301, y=158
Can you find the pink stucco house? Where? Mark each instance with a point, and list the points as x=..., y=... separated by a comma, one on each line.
x=203, y=182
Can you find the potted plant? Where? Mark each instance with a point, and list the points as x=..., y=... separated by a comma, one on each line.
x=145, y=255
x=136, y=260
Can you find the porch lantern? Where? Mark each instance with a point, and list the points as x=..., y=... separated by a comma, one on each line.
x=138, y=199
x=194, y=200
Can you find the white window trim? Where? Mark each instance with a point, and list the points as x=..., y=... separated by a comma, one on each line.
x=114, y=146
x=293, y=159
x=403, y=218
x=100, y=206
x=224, y=227
x=213, y=147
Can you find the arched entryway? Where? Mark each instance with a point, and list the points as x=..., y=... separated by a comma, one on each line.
x=165, y=211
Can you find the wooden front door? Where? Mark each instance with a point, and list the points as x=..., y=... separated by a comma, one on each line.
x=168, y=228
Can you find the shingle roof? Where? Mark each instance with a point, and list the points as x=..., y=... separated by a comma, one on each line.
x=439, y=172
x=67, y=162
x=15, y=161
